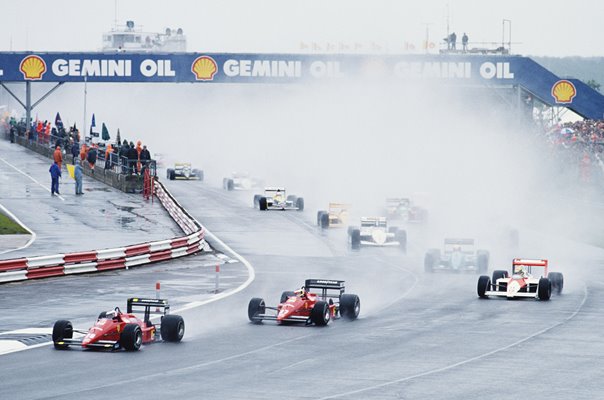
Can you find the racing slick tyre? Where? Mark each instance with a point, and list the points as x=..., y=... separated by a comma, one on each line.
x=198, y=173
x=431, y=258
x=557, y=280
x=544, y=290
x=482, y=261
x=172, y=328
x=61, y=330
x=498, y=274
x=355, y=239
x=484, y=284
x=286, y=295
x=255, y=308
x=300, y=203
x=325, y=220
x=400, y=235
x=171, y=175
x=319, y=213
x=350, y=229
x=350, y=306
x=257, y=200
x=230, y=185
x=263, y=204
x=131, y=337
x=320, y=313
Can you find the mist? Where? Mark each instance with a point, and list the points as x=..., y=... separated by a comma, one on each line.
x=479, y=171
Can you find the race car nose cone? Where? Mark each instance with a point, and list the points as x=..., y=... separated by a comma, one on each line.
x=379, y=236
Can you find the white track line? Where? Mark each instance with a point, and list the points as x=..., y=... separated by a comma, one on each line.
x=189, y=306
x=33, y=234
x=29, y=176
x=464, y=362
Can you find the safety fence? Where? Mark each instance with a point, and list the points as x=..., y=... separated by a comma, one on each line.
x=25, y=268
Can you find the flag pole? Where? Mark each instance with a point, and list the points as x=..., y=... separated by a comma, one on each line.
x=85, y=94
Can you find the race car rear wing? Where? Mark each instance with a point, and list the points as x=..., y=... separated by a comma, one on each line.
x=520, y=263
x=136, y=305
x=325, y=285
x=373, y=221
x=458, y=241
x=274, y=189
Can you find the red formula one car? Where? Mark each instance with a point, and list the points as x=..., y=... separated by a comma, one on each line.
x=115, y=329
x=310, y=308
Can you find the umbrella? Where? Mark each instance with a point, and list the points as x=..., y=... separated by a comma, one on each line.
x=566, y=131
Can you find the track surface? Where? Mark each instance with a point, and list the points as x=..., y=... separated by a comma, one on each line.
x=419, y=336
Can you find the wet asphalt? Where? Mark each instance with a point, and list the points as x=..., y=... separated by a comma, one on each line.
x=419, y=335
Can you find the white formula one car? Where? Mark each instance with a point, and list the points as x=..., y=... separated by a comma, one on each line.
x=458, y=256
x=374, y=231
x=184, y=171
x=522, y=283
x=241, y=181
x=275, y=198
x=402, y=208
x=335, y=216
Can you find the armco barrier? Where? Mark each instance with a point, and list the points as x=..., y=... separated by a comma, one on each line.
x=20, y=269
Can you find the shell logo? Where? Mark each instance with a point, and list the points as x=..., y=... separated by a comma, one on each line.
x=204, y=68
x=32, y=67
x=564, y=92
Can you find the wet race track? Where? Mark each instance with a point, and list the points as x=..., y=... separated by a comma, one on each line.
x=418, y=335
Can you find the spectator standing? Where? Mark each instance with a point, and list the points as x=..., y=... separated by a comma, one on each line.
x=123, y=156
x=78, y=175
x=132, y=158
x=58, y=156
x=83, y=152
x=91, y=157
x=108, y=152
x=452, y=40
x=75, y=150
x=464, y=42
x=145, y=157
x=55, y=174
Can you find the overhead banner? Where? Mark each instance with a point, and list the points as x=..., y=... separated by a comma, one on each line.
x=239, y=68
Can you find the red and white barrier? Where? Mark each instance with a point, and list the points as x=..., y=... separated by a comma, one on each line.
x=20, y=269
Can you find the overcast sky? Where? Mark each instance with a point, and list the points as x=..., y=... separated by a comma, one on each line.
x=550, y=28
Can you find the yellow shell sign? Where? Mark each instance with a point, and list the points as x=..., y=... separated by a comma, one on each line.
x=204, y=68
x=564, y=92
x=32, y=67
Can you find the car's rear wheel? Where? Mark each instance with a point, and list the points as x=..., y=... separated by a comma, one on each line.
x=61, y=330
x=484, y=284
x=355, y=238
x=230, y=184
x=172, y=328
x=350, y=306
x=300, y=203
x=263, y=204
x=430, y=259
x=198, y=173
x=498, y=274
x=286, y=295
x=401, y=236
x=171, y=174
x=257, y=200
x=319, y=214
x=320, y=314
x=557, y=280
x=131, y=337
x=255, y=308
x=325, y=221
x=544, y=290
x=482, y=262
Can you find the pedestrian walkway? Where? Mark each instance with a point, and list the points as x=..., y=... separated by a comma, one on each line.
x=103, y=217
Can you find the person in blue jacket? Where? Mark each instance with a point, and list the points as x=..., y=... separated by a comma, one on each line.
x=55, y=174
x=78, y=173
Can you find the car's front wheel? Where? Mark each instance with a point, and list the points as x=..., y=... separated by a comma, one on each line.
x=61, y=330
